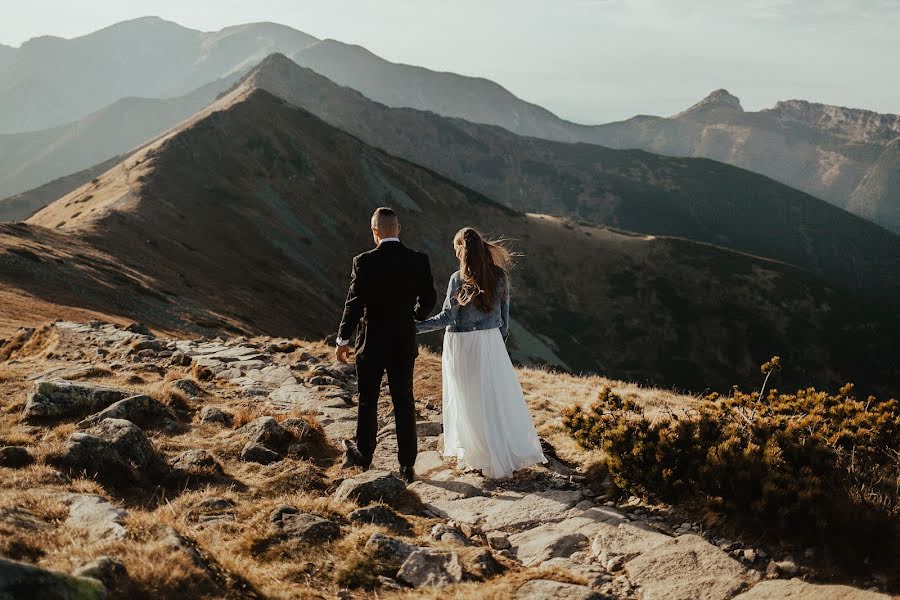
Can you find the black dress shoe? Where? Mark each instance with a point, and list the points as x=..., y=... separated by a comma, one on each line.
x=353, y=457
x=408, y=474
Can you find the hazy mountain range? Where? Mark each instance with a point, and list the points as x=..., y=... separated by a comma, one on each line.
x=838, y=154
x=246, y=216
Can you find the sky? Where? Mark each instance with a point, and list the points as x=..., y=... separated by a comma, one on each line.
x=591, y=61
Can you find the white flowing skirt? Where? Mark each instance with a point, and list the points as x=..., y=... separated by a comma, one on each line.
x=487, y=425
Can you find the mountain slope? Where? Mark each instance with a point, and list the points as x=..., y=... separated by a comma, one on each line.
x=52, y=81
x=245, y=218
x=28, y=160
x=824, y=150
x=691, y=198
x=878, y=195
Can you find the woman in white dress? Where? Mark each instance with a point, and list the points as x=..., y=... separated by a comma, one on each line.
x=487, y=425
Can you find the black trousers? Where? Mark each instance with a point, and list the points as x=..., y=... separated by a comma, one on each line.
x=369, y=372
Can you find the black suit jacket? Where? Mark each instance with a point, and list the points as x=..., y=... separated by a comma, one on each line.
x=390, y=287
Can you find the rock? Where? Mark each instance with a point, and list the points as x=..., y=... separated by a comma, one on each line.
x=128, y=440
x=272, y=376
x=428, y=462
x=389, y=549
x=141, y=410
x=15, y=457
x=749, y=555
x=109, y=571
x=544, y=542
x=180, y=359
x=382, y=516
x=21, y=518
x=688, y=568
x=188, y=387
x=303, y=527
x=544, y=589
x=388, y=583
x=266, y=431
x=211, y=414
x=625, y=539
x=96, y=516
x=324, y=380
x=139, y=328
x=212, y=509
x=429, y=428
x=20, y=580
x=146, y=344
x=283, y=346
x=194, y=461
x=432, y=568
x=94, y=457
x=485, y=566
x=258, y=453
x=449, y=533
x=300, y=429
x=595, y=575
x=369, y=487
x=294, y=396
x=795, y=589
x=64, y=399
x=498, y=541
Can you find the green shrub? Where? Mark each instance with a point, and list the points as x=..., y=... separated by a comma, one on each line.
x=809, y=466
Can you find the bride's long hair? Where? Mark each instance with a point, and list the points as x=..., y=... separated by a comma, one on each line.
x=482, y=263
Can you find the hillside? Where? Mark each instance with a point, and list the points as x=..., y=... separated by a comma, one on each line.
x=52, y=81
x=217, y=465
x=282, y=199
x=28, y=160
x=878, y=194
x=695, y=199
x=824, y=150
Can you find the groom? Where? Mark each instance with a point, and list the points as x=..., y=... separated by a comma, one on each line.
x=390, y=287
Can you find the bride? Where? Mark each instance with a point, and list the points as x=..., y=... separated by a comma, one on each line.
x=487, y=425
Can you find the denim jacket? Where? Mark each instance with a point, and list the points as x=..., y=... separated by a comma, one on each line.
x=458, y=318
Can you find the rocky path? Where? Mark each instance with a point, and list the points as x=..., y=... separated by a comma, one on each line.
x=545, y=520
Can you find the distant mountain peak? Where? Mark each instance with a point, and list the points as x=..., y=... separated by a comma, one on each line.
x=718, y=100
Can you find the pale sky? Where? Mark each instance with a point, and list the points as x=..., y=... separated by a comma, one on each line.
x=590, y=61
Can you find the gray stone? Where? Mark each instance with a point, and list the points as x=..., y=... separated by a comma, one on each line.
x=213, y=509
x=93, y=456
x=188, y=387
x=449, y=533
x=109, y=571
x=266, y=431
x=369, y=487
x=428, y=462
x=544, y=542
x=15, y=457
x=795, y=589
x=212, y=414
x=294, y=396
x=303, y=527
x=382, y=516
x=281, y=346
x=498, y=541
x=625, y=539
x=389, y=549
x=429, y=428
x=95, y=516
x=193, y=461
x=258, y=453
x=595, y=575
x=545, y=589
x=65, y=399
x=484, y=565
x=688, y=568
x=20, y=580
x=141, y=410
x=430, y=568
x=128, y=440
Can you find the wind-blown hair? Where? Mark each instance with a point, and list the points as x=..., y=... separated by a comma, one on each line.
x=482, y=265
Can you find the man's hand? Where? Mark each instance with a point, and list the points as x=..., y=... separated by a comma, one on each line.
x=341, y=353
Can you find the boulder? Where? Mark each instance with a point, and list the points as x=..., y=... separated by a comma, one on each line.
x=65, y=399
x=485, y=566
x=382, y=516
x=688, y=568
x=257, y=453
x=292, y=524
x=369, y=487
x=212, y=509
x=430, y=568
x=211, y=414
x=795, y=589
x=188, y=387
x=266, y=431
x=109, y=571
x=95, y=516
x=196, y=461
x=15, y=457
x=128, y=440
x=544, y=589
x=449, y=533
x=141, y=410
x=544, y=542
x=93, y=456
x=389, y=549
x=20, y=580
x=140, y=329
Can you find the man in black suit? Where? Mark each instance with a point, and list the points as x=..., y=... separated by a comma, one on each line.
x=390, y=287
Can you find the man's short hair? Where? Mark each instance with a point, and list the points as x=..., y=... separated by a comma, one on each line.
x=385, y=220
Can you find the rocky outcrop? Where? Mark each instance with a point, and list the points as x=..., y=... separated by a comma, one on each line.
x=430, y=568
x=65, y=399
x=20, y=580
x=544, y=589
x=141, y=410
x=794, y=589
